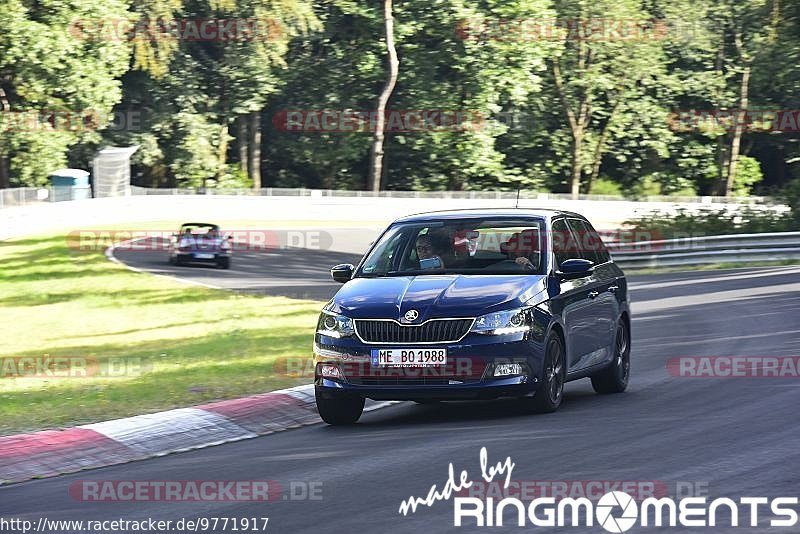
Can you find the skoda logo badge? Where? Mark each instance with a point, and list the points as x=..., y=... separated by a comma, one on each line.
x=411, y=315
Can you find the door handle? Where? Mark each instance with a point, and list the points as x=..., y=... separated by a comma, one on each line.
x=613, y=289
x=593, y=294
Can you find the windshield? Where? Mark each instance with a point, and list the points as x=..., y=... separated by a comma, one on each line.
x=463, y=246
x=208, y=230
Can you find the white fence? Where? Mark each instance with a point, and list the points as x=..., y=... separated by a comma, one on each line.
x=23, y=196
x=464, y=195
x=26, y=213
x=30, y=211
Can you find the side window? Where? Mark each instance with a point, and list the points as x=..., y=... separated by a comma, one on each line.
x=387, y=252
x=589, y=243
x=602, y=252
x=563, y=242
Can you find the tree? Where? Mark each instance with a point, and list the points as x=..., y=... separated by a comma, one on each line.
x=218, y=88
x=338, y=68
x=453, y=62
x=599, y=71
x=57, y=85
x=376, y=155
x=457, y=60
x=751, y=27
x=725, y=52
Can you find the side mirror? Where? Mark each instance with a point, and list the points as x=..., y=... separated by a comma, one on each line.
x=342, y=273
x=575, y=268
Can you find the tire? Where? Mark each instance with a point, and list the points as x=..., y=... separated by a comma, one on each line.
x=173, y=260
x=551, y=392
x=615, y=377
x=341, y=411
x=224, y=263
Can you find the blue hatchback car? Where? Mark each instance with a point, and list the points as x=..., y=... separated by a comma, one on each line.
x=474, y=304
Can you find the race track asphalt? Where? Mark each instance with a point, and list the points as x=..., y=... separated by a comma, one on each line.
x=730, y=437
x=292, y=272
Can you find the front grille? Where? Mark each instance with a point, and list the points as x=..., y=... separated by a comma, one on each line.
x=433, y=331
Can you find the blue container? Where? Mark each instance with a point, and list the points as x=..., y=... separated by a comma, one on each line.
x=70, y=184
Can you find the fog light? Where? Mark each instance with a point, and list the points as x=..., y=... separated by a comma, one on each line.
x=330, y=370
x=507, y=369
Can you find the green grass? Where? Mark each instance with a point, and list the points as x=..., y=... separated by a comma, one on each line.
x=194, y=345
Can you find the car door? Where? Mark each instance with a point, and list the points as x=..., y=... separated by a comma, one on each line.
x=572, y=299
x=604, y=307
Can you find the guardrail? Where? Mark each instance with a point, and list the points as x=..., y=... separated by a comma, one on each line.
x=744, y=248
x=497, y=195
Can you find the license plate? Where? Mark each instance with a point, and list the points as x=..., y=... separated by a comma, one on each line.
x=204, y=256
x=408, y=357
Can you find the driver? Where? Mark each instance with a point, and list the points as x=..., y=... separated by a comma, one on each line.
x=426, y=251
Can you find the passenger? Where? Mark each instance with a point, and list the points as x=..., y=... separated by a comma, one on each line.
x=523, y=247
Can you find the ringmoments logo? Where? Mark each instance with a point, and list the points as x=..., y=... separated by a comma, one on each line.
x=615, y=511
x=605, y=509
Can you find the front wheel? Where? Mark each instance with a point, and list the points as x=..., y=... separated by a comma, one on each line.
x=224, y=262
x=614, y=378
x=341, y=411
x=551, y=391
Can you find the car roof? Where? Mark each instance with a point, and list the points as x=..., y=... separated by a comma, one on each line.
x=199, y=224
x=482, y=213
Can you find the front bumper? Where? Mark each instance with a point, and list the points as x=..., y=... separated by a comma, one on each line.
x=490, y=389
x=469, y=374
x=192, y=256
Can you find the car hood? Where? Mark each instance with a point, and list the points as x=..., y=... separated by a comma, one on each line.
x=436, y=296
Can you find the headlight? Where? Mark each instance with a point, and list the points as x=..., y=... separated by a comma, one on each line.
x=333, y=325
x=504, y=322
